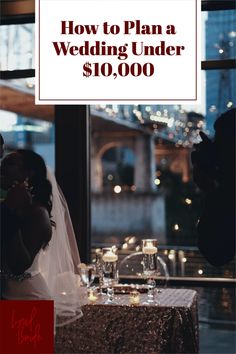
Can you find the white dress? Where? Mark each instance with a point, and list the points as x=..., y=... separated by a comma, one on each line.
x=54, y=272
x=30, y=286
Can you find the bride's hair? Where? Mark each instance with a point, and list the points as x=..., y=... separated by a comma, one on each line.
x=42, y=188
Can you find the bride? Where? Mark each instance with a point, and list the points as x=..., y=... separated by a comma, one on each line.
x=39, y=255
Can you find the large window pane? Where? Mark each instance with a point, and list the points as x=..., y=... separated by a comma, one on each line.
x=219, y=35
x=220, y=94
x=17, y=47
x=142, y=182
x=27, y=133
x=19, y=127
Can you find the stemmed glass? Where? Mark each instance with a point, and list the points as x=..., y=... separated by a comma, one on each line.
x=99, y=270
x=87, y=273
x=109, y=272
x=150, y=266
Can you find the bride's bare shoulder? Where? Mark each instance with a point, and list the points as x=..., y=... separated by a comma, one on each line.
x=36, y=220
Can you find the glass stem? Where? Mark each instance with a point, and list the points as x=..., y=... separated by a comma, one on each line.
x=100, y=283
x=151, y=286
x=110, y=292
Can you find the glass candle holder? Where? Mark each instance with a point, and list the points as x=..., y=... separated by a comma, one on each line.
x=91, y=296
x=150, y=266
x=109, y=259
x=134, y=297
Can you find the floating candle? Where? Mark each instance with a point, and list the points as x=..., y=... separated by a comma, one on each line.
x=109, y=257
x=91, y=296
x=134, y=297
x=149, y=248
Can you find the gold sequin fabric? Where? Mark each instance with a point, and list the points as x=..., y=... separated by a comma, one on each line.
x=170, y=327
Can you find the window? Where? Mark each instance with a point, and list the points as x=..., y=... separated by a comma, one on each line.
x=17, y=46
x=158, y=197
x=141, y=182
x=23, y=125
x=160, y=139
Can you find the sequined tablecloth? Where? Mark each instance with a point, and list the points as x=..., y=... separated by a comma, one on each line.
x=171, y=327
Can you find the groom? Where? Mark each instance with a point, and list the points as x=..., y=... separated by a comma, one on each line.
x=214, y=173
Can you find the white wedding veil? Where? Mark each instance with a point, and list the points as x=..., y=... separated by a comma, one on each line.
x=58, y=263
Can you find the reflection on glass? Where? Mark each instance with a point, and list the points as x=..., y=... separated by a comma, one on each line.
x=87, y=273
x=219, y=34
x=17, y=47
x=175, y=123
x=26, y=133
x=220, y=94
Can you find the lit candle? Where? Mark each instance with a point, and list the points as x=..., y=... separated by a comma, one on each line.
x=91, y=296
x=149, y=248
x=109, y=257
x=134, y=297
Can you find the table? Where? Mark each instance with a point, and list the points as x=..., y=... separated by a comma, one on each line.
x=171, y=327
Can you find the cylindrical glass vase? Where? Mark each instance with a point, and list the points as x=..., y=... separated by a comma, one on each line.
x=150, y=266
x=110, y=272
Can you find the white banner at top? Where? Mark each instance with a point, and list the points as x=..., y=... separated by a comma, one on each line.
x=133, y=51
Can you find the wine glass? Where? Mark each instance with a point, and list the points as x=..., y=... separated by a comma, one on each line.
x=150, y=266
x=109, y=259
x=87, y=273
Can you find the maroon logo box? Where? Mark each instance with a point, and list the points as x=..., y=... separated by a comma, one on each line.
x=26, y=327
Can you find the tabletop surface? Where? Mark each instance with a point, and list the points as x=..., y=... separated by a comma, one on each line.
x=166, y=298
